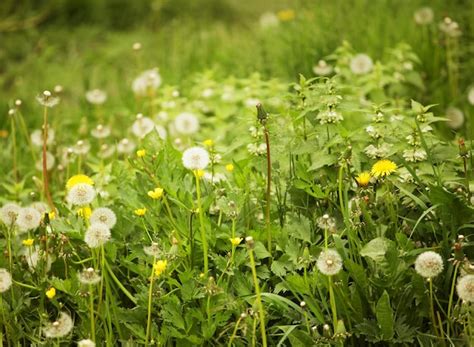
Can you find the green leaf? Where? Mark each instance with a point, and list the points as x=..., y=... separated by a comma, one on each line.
x=384, y=314
x=375, y=249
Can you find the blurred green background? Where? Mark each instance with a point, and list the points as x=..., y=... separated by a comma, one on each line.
x=83, y=44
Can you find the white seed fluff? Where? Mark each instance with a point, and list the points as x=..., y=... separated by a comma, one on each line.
x=37, y=137
x=81, y=194
x=97, y=235
x=186, y=123
x=329, y=262
x=465, y=288
x=88, y=276
x=5, y=280
x=429, y=264
x=59, y=328
x=147, y=82
x=50, y=161
x=142, y=126
x=103, y=215
x=28, y=218
x=86, y=343
x=455, y=117
x=361, y=64
x=9, y=213
x=96, y=96
x=195, y=158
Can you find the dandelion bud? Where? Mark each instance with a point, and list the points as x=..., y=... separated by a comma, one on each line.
x=11, y=112
x=250, y=242
x=17, y=102
x=58, y=89
x=137, y=46
x=47, y=93
x=460, y=238
x=302, y=304
x=243, y=315
x=262, y=115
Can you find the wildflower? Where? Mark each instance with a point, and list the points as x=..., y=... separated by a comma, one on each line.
x=142, y=126
x=47, y=99
x=5, y=280
x=286, y=15
x=378, y=152
x=455, y=117
x=209, y=177
x=141, y=153
x=326, y=222
x=329, y=262
x=33, y=258
x=140, y=211
x=147, y=82
x=101, y=131
x=363, y=179
x=86, y=343
x=329, y=117
x=159, y=267
x=207, y=93
x=322, y=68
x=429, y=264
x=97, y=235
x=37, y=137
x=268, y=20
x=50, y=161
x=88, y=277
x=156, y=193
x=106, y=151
x=59, y=328
x=235, y=241
x=450, y=27
x=28, y=242
x=414, y=155
x=465, y=288
x=104, y=215
x=186, y=123
x=161, y=132
x=195, y=158
x=383, y=168
x=423, y=16
x=153, y=250
x=229, y=167
x=208, y=143
x=125, y=146
x=96, y=96
x=9, y=213
x=41, y=207
x=81, y=194
x=361, y=64
x=82, y=147
x=470, y=95
x=51, y=293
x=84, y=212
x=28, y=219
x=76, y=179
x=137, y=46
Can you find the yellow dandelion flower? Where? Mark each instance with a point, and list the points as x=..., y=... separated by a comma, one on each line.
x=235, y=241
x=140, y=211
x=229, y=167
x=383, y=168
x=52, y=215
x=141, y=153
x=199, y=173
x=51, y=293
x=363, y=179
x=208, y=143
x=28, y=242
x=84, y=212
x=3, y=133
x=159, y=267
x=156, y=193
x=76, y=179
x=286, y=15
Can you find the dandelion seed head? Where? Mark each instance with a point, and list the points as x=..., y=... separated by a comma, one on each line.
x=465, y=288
x=103, y=215
x=142, y=126
x=455, y=117
x=423, y=16
x=329, y=262
x=9, y=213
x=322, y=68
x=153, y=250
x=361, y=64
x=429, y=264
x=101, y=131
x=47, y=99
x=89, y=276
x=96, y=96
x=59, y=328
x=50, y=161
x=86, y=343
x=5, y=280
x=28, y=219
x=195, y=158
x=97, y=235
x=147, y=82
x=81, y=194
x=186, y=123
x=37, y=137
x=126, y=146
x=82, y=147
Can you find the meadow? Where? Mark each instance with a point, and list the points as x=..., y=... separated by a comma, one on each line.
x=236, y=173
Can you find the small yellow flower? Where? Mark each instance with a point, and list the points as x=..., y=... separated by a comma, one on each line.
x=52, y=215
x=208, y=143
x=159, y=267
x=383, y=168
x=235, y=241
x=84, y=212
x=76, y=179
x=140, y=211
x=229, y=167
x=51, y=293
x=141, y=153
x=156, y=193
x=28, y=242
x=286, y=15
x=363, y=179
x=199, y=173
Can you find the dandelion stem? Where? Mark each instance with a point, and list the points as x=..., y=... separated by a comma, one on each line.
x=91, y=309
x=234, y=332
x=435, y=325
x=150, y=293
x=201, y=220
x=258, y=297
x=46, y=191
x=269, y=186
x=332, y=301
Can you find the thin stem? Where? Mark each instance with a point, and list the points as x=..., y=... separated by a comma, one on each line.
x=201, y=220
x=258, y=298
x=46, y=191
x=332, y=301
x=435, y=325
x=150, y=293
x=451, y=294
x=91, y=309
x=234, y=332
x=269, y=186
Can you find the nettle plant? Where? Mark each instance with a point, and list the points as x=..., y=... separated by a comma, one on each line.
x=330, y=214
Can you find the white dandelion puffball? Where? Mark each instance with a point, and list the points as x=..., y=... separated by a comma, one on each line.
x=33, y=258
x=153, y=250
x=423, y=16
x=162, y=133
x=429, y=264
x=329, y=262
x=101, y=131
x=455, y=117
x=97, y=235
x=88, y=276
x=450, y=27
x=96, y=96
x=361, y=64
x=215, y=179
x=59, y=328
x=465, y=288
x=195, y=158
x=322, y=68
x=5, y=280
x=142, y=126
x=186, y=123
x=82, y=147
x=9, y=213
x=470, y=95
x=81, y=194
x=268, y=20
x=147, y=82
x=28, y=218
x=86, y=343
x=50, y=161
x=41, y=207
x=37, y=137
x=126, y=146
x=103, y=215
x=47, y=99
